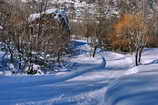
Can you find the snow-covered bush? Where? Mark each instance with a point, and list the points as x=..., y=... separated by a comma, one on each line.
x=29, y=38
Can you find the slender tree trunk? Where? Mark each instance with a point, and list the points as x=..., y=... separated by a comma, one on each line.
x=11, y=53
x=136, y=57
x=59, y=56
x=140, y=54
x=94, y=52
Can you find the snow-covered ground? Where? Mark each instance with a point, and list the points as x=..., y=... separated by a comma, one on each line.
x=87, y=81
x=139, y=84
x=140, y=88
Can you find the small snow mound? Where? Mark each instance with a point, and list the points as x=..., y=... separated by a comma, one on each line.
x=132, y=71
x=7, y=73
x=143, y=68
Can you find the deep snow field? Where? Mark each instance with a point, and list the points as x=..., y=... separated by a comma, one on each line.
x=107, y=79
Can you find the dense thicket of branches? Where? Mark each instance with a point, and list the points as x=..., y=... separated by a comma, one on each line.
x=30, y=42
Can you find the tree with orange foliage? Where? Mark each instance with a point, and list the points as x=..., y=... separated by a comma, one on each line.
x=131, y=34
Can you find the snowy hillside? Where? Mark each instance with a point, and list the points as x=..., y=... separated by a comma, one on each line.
x=139, y=84
x=139, y=88
x=87, y=81
x=80, y=8
x=78, y=52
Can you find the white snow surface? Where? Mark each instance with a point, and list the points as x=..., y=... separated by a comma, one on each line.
x=87, y=83
x=139, y=84
x=140, y=88
x=37, y=15
x=1, y=28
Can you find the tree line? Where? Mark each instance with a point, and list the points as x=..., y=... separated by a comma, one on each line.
x=131, y=29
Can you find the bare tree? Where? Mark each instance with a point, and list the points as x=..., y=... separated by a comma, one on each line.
x=103, y=25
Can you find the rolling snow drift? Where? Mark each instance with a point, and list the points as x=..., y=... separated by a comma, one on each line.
x=138, y=88
x=107, y=79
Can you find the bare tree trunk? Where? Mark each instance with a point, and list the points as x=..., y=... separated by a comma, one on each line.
x=59, y=55
x=94, y=52
x=136, y=57
x=140, y=54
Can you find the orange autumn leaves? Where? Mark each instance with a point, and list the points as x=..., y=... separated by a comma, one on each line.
x=127, y=31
